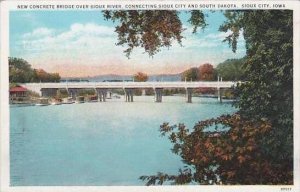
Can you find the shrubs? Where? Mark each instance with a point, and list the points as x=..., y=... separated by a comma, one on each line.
x=223, y=150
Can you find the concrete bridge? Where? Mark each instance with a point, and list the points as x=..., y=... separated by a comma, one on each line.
x=101, y=88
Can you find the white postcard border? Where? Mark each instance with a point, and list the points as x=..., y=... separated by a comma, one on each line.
x=7, y=6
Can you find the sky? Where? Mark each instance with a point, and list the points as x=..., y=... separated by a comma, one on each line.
x=82, y=43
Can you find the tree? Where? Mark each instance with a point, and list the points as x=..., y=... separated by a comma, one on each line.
x=232, y=70
x=265, y=100
x=228, y=154
x=20, y=71
x=151, y=30
x=207, y=72
x=191, y=74
x=54, y=77
x=140, y=77
x=204, y=72
x=268, y=92
x=41, y=75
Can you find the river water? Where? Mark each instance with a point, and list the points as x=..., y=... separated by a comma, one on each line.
x=111, y=143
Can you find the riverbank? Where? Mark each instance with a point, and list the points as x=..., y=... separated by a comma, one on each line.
x=41, y=101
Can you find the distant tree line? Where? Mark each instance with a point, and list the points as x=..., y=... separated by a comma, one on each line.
x=229, y=70
x=20, y=71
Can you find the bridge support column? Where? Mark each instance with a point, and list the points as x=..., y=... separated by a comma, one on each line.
x=158, y=94
x=49, y=92
x=102, y=94
x=100, y=99
x=109, y=94
x=128, y=94
x=73, y=92
x=220, y=95
x=189, y=92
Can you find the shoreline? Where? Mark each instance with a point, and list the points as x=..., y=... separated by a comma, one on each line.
x=27, y=104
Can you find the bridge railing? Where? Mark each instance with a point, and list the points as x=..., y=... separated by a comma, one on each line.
x=178, y=84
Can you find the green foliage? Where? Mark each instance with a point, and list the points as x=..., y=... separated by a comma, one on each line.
x=138, y=92
x=62, y=93
x=234, y=24
x=197, y=20
x=191, y=74
x=20, y=71
x=232, y=70
x=42, y=76
x=11, y=85
x=86, y=92
x=150, y=92
x=33, y=94
x=229, y=94
x=268, y=92
x=167, y=92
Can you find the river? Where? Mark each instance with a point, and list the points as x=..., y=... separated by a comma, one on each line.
x=109, y=143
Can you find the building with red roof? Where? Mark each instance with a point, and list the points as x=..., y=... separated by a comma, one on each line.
x=18, y=93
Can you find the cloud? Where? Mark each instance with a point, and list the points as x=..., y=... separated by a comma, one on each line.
x=88, y=37
x=222, y=35
x=38, y=33
x=202, y=40
x=92, y=29
x=217, y=36
x=89, y=49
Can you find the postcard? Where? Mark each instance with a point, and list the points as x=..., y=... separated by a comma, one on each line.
x=149, y=95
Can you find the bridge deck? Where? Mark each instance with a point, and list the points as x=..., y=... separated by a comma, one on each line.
x=122, y=85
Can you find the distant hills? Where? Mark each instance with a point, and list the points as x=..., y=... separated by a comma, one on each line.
x=231, y=69
x=165, y=77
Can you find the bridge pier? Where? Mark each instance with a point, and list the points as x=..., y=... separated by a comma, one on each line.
x=189, y=92
x=220, y=95
x=102, y=93
x=73, y=88
x=158, y=94
x=73, y=92
x=109, y=94
x=128, y=94
x=49, y=92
